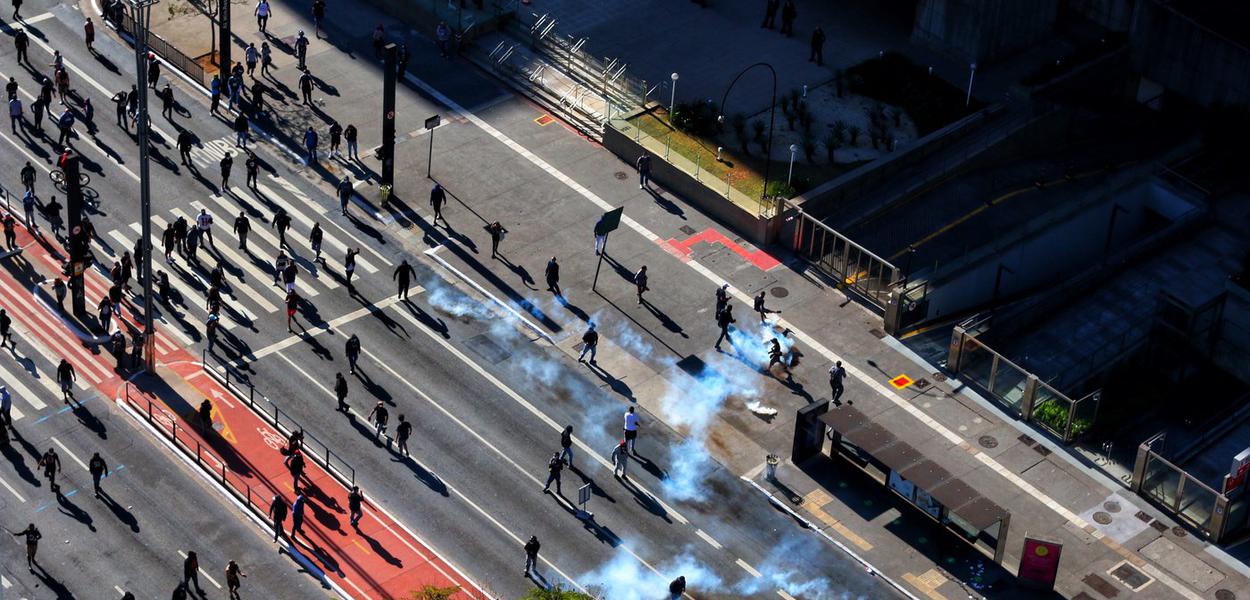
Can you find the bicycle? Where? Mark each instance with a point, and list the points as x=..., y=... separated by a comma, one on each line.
x=58, y=179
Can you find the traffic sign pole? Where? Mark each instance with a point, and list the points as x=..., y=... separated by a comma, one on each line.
x=606, y=224
x=387, y=153
x=430, y=124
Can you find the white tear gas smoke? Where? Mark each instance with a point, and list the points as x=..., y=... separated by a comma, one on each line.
x=781, y=570
x=625, y=578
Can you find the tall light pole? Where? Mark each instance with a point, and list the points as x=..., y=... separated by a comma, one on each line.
x=794, y=148
x=972, y=73
x=142, y=15
x=772, y=116
x=672, y=101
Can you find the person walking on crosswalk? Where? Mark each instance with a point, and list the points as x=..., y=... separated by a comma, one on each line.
x=204, y=222
x=349, y=268
x=281, y=221
x=210, y=330
x=242, y=226
x=292, y=305
x=289, y=274
x=279, y=266
x=403, y=274
x=6, y=407
x=169, y=240
x=6, y=329
x=226, y=162
x=314, y=241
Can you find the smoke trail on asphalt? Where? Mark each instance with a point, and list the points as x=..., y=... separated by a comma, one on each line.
x=625, y=578
x=778, y=571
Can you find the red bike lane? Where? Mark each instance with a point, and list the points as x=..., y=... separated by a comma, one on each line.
x=382, y=559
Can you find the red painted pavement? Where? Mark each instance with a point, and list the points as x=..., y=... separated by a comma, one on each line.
x=757, y=257
x=382, y=560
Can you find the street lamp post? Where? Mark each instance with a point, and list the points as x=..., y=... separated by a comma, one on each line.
x=142, y=13
x=972, y=73
x=794, y=148
x=772, y=116
x=672, y=101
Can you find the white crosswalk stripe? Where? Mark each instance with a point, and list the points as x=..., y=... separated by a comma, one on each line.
x=73, y=351
x=298, y=240
x=299, y=195
x=246, y=287
x=169, y=327
x=45, y=374
x=305, y=290
x=191, y=298
x=298, y=214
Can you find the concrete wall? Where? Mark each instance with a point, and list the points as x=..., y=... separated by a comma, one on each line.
x=758, y=231
x=981, y=30
x=1234, y=341
x=1187, y=58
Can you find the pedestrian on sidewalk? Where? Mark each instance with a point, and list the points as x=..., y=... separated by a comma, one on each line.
x=281, y=222
x=403, y=273
x=51, y=464
x=644, y=170
x=352, y=350
x=66, y=376
x=402, y=432
x=631, y=429
x=725, y=321
x=206, y=416
x=31, y=533
x=345, y=191
x=252, y=166
x=379, y=40
x=340, y=392
x=319, y=15
x=185, y=141
x=277, y=511
x=355, y=508
x=227, y=161
x=21, y=41
x=336, y=138
x=818, y=47
x=292, y=305
x=6, y=329
x=10, y=231
x=770, y=14
x=788, y=13
x=266, y=58
x=349, y=136
x=210, y=330
x=314, y=241
x=553, y=276
x=677, y=588
x=379, y=416
x=240, y=130
x=566, y=445
x=167, y=102
x=438, y=197
x=262, y=15
x=251, y=56
x=555, y=467
x=836, y=375
x=590, y=343
x=233, y=573
x=297, y=514
x=306, y=86
x=640, y=283
x=759, y=306
x=214, y=94
x=620, y=460
x=301, y=49
x=98, y=469
x=204, y=222
x=258, y=97
x=310, y=144
x=349, y=268
x=497, y=233
x=191, y=572
x=6, y=407
x=531, y=555
x=154, y=70
x=442, y=36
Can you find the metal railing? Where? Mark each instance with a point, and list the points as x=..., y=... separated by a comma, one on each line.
x=165, y=50
x=1011, y=385
x=1215, y=514
x=834, y=254
x=285, y=424
x=256, y=500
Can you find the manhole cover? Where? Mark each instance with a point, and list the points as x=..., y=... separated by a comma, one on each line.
x=1112, y=506
x=1102, y=518
x=939, y=377
x=779, y=292
x=620, y=175
x=1223, y=594
x=987, y=441
x=1130, y=576
x=922, y=384
x=1179, y=531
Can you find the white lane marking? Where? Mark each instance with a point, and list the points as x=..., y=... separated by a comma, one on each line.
x=433, y=253
x=224, y=248
x=533, y=410
x=21, y=392
x=264, y=234
x=285, y=343
x=742, y=297
x=299, y=214
x=299, y=240
x=92, y=369
x=709, y=539
x=68, y=452
x=47, y=378
x=191, y=298
x=203, y=572
x=163, y=344
x=748, y=568
x=783, y=594
x=11, y=491
x=258, y=277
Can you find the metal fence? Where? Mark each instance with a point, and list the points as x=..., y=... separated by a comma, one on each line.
x=285, y=424
x=165, y=50
x=1215, y=514
x=1017, y=389
x=851, y=265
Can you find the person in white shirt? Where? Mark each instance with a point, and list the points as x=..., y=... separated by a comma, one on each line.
x=204, y=222
x=631, y=430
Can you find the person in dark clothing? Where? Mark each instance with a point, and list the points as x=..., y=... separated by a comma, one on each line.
x=295, y=464
x=319, y=15
x=788, y=13
x=644, y=170
x=21, y=41
x=403, y=273
x=590, y=343
x=566, y=445
x=555, y=467
x=191, y=571
x=531, y=555
x=167, y=101
x=818, y=46
x=336, y=139
x=281, y=221
x=340, y=392
x=352, y=351
x=770, y=14
x=226, y=162
x=497, y=232
x=677, y=588
x=253, y=169
x=725, y=320
x=66, y=376
x=553, y=276
x=355, y=507
x=206, y=415
x=6, y=329
x=258, y=96
x=402, y=432
x=759, y=306
x=278, y=510
x=306, y=87
x=185, y=141
x=722, y=299
x=32, y=536
x=438, y=197
x=349, y=136
x=98, y=469
x=242, y=226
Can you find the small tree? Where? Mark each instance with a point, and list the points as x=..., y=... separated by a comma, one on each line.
x=757, y=128
x=831, y=143
x=739, y=124
x=808, y=143
x=555, y=592
x=430, y=592
x=853, y=131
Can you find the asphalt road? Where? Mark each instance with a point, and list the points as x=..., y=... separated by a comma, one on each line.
x=485, y=400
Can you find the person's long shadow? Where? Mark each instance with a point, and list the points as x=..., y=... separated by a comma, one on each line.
x=126, y=517
x=53, y=584
x=381, y=551
x=67, y=507
x=522, y=272
x=422, y=474
x=650, y=467
x=615, y=384
x=106, y=63
x=89, y=420
x=667, y=322
x=436, y=325
x=646, y=501
x=667, y=204
x=573, y=308
x=595, y=488
x=19, y=464
x=374, y=388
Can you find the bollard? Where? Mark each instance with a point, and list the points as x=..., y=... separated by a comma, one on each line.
x=770, y=467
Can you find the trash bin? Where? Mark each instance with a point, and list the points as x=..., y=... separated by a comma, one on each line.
x=770, y=467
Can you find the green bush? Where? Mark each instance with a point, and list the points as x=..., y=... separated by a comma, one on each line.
x=1052, y=414
x=556, y=592
x=430, y=592
x=696, y=118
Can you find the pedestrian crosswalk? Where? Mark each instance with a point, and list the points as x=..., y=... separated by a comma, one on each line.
x=249, y=292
